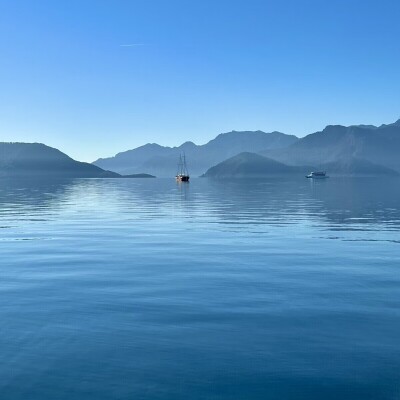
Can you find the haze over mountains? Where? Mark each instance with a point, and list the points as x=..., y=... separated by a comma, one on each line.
x=162, y=161
x=353, y=150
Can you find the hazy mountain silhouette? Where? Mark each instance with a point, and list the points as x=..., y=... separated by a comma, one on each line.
x=36, y=159
x=340, y=146
x=251, y=165
x=161, y=161
x=352, y=150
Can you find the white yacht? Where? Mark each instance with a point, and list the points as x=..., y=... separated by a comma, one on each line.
x=317, y=175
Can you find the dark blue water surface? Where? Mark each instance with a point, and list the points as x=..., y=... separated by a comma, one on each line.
x=147, y=289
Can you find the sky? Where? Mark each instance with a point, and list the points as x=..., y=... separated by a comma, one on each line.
x=94, y=77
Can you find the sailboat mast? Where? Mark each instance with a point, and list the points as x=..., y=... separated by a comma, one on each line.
x=179, y=165
x=183, y=174
x=185, y=170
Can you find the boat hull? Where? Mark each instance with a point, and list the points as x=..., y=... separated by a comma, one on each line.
x=182, y=178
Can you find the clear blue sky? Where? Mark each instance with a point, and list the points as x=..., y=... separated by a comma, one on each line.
x=96, y=77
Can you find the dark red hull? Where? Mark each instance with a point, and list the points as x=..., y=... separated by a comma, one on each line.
x=182, y=178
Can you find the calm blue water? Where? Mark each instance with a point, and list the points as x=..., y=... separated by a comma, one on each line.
x=145, y=289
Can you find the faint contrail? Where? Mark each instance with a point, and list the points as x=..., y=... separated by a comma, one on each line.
x=131, y=45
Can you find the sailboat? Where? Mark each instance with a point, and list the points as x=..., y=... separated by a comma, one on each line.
x=183, y=173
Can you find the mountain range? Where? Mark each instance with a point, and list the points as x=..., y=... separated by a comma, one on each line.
x=351, y=150
x=161, y=161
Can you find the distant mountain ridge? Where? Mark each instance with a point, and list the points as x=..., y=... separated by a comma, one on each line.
x=355, y=149
x=161, y=161
x=376, y=145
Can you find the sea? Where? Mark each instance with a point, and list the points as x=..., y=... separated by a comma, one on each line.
x=277, y=288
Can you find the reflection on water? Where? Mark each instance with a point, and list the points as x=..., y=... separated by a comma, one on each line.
x=341, y=204
x=151, y=289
